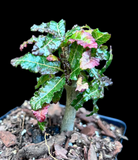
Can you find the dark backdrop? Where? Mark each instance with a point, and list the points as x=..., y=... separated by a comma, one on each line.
x=17, y=84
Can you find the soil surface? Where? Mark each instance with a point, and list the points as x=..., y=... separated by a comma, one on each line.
x=91, y=139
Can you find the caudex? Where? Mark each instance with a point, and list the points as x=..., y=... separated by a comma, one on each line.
x=74, y=54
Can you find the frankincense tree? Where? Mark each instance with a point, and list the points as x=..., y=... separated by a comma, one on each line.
x=79, y=51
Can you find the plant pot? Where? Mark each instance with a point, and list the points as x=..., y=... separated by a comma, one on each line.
x=40, y=135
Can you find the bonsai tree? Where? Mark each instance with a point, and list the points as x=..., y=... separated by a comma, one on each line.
x=73, y=55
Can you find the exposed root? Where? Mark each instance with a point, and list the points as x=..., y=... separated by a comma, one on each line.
x=48, y=146
x=38, y=149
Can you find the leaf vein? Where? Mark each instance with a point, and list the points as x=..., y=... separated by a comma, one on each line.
x=40, y=64
x=49, y=91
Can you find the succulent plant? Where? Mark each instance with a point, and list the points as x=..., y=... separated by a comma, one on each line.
x=79, y=51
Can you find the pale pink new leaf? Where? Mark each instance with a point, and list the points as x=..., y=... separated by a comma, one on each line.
x=88, y=62
x=81, y=86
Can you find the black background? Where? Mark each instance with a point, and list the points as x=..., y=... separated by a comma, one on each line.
x=17, y=84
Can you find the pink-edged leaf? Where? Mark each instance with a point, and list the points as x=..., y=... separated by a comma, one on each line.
x=41, y=114
x=51, y=57
x=30, y=41
x=84, y=39
x=81, y=86
x=88, y=62
x=23, y=45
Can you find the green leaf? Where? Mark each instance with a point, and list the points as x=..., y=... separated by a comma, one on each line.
x=75, y=55
x=46, y=45
x=102, y=53
x=57, y=27
x=103, y=80
x=46, y=92
x=72, y=31
x=100, y=37
x=93, y=72
x=69, y=33
x=59, y=52
x=84, y=76
x=42, y=79
x=74, y=74
x=52, y=27
x=93, y=92
x=93, y=52
x=42, y=125
x=78, y=102
x=108, y=62
x=99, y=73
x=57, y=96
x=36, y=64
x=86, y=26
x=74, y=60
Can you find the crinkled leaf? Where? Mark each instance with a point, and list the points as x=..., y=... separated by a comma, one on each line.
x=57, y=96
x=84, y=39
x=94, y=73
x=36, y=64
x=41, y=114
x=52, y=27
x=102, y=53
x=29, y=41
x=108, y=62
x=46, y=45
x=104, y=80
x=46, y=92
x=41, y=28
x=100, y=37
x=43, y=79
x=69, y=33
x=93, y=92
x=81, y=87
x=74, y=60
x=88, y=62
x=51, y=57
x=57, y=27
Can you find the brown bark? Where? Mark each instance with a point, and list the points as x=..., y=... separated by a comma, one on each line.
x=105, y=130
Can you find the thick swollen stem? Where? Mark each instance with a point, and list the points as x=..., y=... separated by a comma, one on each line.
x=70, y=112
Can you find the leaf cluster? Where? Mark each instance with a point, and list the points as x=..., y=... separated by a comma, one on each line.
x=70, y=47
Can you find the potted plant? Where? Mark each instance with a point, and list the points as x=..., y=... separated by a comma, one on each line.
x=73, y=55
